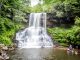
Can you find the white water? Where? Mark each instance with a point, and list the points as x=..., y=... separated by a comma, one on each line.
x=36, y=2
x=35, y=36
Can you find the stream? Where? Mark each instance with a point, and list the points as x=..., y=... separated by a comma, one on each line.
x=42, y=54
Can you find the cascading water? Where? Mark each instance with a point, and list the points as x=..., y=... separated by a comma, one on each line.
x=35, y=36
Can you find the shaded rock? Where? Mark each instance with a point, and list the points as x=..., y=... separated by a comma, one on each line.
x=11, y=48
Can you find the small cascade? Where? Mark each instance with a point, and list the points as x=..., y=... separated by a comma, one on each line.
x=35, y=36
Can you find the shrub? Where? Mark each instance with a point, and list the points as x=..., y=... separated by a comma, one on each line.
x=7, y=30
x=58, y=34
x=77, y=21
x=67, y=36
x=5, y=40
x=73, y=35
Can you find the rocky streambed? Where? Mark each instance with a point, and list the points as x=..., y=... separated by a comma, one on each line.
x=4, y=50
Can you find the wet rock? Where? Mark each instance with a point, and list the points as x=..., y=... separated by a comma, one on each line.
x=5, y=48
x=6, y=57
x=3, y=55
x=4, y=51
x=11, y=48
x=1, y=58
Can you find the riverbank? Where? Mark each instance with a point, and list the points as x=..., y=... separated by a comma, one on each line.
x=61, y=48
x=4, y=51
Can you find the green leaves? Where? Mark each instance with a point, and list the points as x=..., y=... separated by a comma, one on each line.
x=77, y=21
x=5, y=40
x=7, y=30
x=57, y=33
x=66, y=36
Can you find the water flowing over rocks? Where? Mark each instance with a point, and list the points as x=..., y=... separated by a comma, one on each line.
x=35, y=36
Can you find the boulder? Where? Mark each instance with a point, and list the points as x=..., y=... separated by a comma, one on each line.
x=5, y=48
x=1, y=56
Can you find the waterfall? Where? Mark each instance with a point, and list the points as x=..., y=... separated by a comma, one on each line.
x=36, y=2
x=35, y=36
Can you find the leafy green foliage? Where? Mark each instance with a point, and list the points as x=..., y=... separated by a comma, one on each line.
x=12, y=14
x=77, y=21
x=7, y=30
x=37, y=8
x=73, y=35
x=63, y=8
x=5, y=40
x=58, y=34
x=66, y=36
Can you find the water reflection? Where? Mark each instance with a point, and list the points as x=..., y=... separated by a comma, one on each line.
x=42, y=54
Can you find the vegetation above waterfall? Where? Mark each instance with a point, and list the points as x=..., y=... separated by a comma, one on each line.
x=14, y=15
